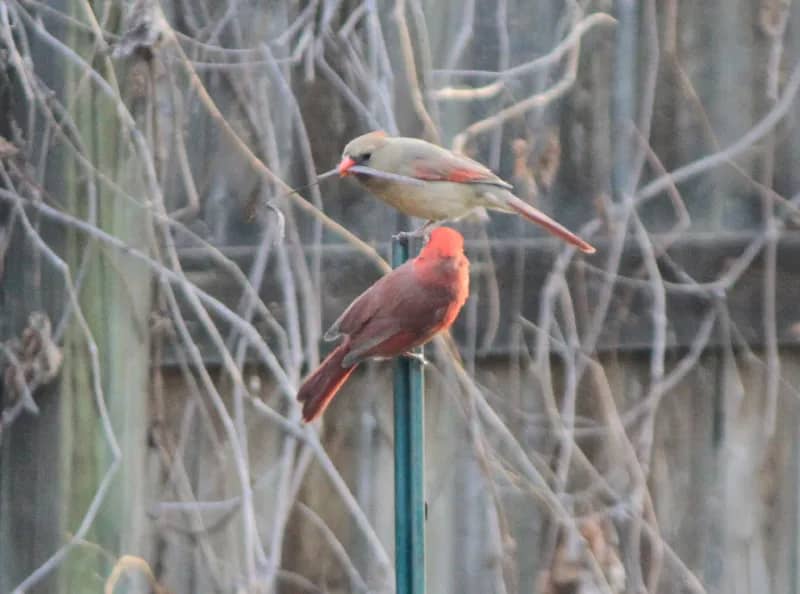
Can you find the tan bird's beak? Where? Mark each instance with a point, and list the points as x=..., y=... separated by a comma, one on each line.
x=344, y=166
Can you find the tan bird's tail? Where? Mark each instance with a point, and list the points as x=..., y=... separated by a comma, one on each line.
x=321, y=386
x=536, y=216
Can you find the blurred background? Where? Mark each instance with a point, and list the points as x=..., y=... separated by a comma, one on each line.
x=621, y=422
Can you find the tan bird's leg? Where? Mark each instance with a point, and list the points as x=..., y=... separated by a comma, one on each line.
x=421, y=232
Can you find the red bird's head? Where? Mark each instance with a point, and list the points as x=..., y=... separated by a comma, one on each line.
x=359, y=150
x=443, y=243
x=442, y=263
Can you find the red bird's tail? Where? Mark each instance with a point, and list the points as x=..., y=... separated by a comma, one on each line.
x=321, y=386
x=536, y=216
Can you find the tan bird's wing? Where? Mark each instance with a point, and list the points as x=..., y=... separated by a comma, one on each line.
x=447, y=166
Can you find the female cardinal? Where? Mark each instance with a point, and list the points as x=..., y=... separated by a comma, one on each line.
x=427, y=181
x=404, y=309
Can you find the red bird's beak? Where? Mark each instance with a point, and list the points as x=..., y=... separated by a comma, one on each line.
x=345, y=165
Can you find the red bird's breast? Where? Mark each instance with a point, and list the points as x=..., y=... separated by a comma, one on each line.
x=445, y=279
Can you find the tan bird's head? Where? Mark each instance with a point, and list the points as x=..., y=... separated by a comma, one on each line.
x=359, y=150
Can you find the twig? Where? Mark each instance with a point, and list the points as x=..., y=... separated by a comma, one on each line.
x=538, y=100
x=412, y=78
x=744, y=144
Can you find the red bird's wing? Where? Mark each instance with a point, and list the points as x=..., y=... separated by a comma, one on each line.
x=360, y=311
x=394, y=315
x=410, y=319
x=456, y=168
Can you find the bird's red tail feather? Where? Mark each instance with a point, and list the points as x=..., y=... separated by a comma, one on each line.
x=321, y=386
x=536, y=216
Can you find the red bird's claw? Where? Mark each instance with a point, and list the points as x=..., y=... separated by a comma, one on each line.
x=418, y=357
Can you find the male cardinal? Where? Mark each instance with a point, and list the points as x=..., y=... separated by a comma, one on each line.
x=427, y=181
x=404, y=309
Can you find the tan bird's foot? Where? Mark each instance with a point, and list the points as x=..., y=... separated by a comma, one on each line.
x=421, y=232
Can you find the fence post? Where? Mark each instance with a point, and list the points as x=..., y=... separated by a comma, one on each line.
x=409, y=462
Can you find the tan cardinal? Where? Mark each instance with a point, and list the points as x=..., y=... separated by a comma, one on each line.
x=427, y=181
x=403, y=310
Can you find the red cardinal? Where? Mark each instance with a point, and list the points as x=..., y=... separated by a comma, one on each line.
x=427, y=181
x=403, y=310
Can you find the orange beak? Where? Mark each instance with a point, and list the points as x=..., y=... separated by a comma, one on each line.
x=345, y=165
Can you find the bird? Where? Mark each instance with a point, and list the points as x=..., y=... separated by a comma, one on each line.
x=430, y=182
x=404, y=309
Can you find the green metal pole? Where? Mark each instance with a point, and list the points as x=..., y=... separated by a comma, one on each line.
x=409, y=463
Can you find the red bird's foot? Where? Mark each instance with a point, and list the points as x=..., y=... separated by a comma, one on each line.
x=418, y=357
